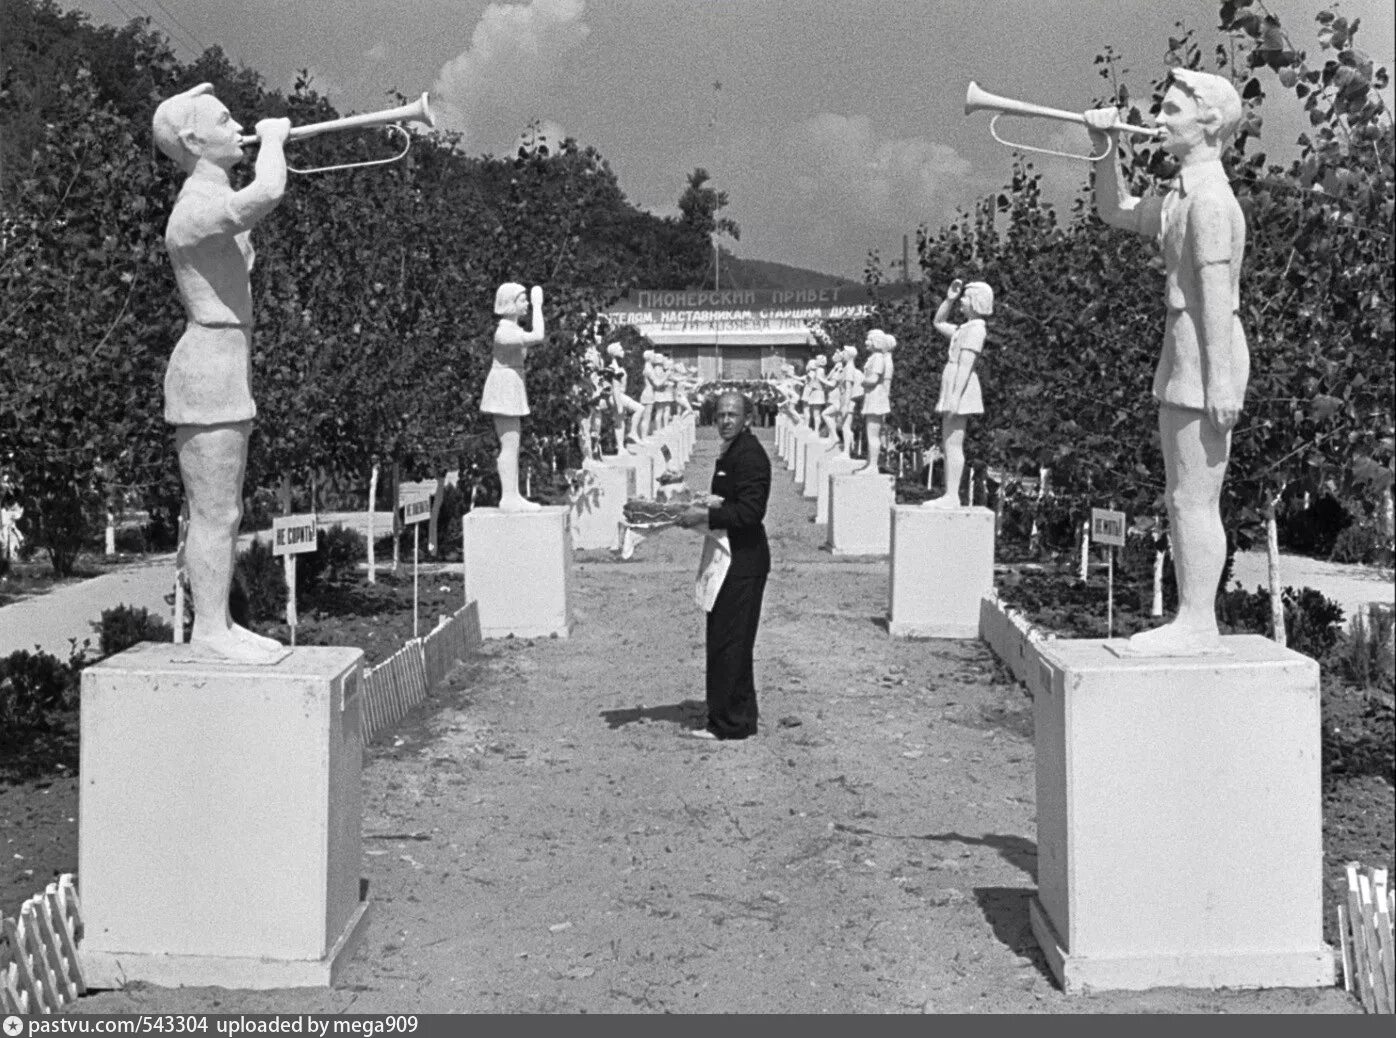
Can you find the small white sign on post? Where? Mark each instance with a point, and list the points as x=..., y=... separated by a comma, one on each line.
x=1108, y=527
x=293, y=535
x=414, y=511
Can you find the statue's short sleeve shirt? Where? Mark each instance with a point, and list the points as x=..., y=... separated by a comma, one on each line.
x=1198, y=223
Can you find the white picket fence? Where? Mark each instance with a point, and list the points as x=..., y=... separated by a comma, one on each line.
x=402, y=681
x=40, y=972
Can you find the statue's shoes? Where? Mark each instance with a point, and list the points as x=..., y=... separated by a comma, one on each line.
x=945, y=501
x=518, y=504
x=1174, y=639
x=259, y=640
x=229, y=648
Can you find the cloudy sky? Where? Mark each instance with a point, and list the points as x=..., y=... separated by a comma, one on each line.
x=835, y=126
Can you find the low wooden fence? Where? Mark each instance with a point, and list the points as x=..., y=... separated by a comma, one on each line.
x=402, y=681
x=40, y=972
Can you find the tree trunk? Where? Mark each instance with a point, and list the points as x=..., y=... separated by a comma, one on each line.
x=433, y=522
x=372, y=503
x=1085, y=551
x=181, y=561
x=1160, y=556
x=397, y=517
x=1272, y=557
x=288, y=562
x=109, y=546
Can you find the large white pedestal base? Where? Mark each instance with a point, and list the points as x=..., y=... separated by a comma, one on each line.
x=1178, y=817
x=598, y=508
x=860, y=514
x=942, y=566
x=518, y=569
x=219, y=819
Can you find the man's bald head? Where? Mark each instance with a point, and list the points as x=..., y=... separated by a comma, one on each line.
x=739, y=397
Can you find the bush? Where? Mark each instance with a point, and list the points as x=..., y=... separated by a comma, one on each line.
x=258, y=510
x=34, y=686
x=1369, y=650
x=1313, y=530
x=132, y=540
x=259, y=586
x=338, y=553
x=62, y=525
x=1313, y=622
x=124, y=626
x=1362, y=543
x=454, y=505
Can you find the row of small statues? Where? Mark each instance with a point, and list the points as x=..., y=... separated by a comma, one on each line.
x=827, y=398
x=1200, y=381
x=666, y=392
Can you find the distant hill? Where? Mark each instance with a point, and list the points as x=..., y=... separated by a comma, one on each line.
x=755, y=273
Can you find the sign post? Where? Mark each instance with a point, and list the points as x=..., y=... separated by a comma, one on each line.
x=1108, y=527
x=414, y=511
x=293, y=535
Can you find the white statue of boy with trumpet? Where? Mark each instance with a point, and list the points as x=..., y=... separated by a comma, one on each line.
x=208, y=386
x=1200, y=381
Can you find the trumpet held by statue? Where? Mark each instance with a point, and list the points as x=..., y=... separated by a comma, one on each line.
x=419, y=111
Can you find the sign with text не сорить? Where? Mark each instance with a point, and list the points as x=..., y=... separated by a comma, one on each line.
x=294, y=534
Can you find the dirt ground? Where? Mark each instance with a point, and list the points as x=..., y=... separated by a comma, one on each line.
x=542, y=837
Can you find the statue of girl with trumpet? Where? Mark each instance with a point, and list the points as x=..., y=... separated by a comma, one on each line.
x=960, y=395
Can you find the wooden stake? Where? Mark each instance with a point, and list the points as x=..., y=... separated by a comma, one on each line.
x=1346, y=947
x=1362, y=980
x=372, y=499
x=1110, y=595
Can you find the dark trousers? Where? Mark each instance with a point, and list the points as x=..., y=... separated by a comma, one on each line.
x=731, y=638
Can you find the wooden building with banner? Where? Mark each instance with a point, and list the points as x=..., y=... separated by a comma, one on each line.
x=743, y=333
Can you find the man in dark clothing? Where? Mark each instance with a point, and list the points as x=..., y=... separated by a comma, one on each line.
x=741, y=484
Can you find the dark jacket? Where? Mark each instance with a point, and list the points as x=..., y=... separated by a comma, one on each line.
x=743, y=479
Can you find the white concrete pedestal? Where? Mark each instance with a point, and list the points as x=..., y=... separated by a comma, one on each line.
x=942, y=566
x=518, y=569
x=1178, y=818
x=797, y=441
x=818, y=457
x=598, y=508
x=860, y=514
x=219, y=819
x=643, y=466
x=805, y=449
x=839, y=465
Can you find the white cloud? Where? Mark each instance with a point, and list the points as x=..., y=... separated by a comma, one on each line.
x=493, y=88
x=844, y=188
x=377, y=52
